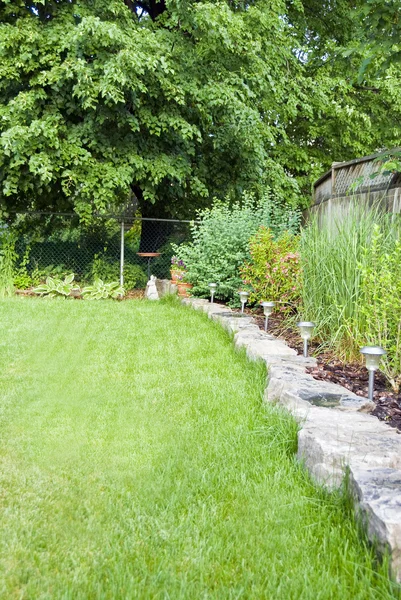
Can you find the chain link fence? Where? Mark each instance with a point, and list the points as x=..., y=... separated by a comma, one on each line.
x=125, y=249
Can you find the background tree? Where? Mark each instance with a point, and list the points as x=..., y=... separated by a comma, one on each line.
x=178, y=101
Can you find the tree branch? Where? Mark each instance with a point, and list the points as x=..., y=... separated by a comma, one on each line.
x=367, y=88
x=154, y=8
x=130, y=4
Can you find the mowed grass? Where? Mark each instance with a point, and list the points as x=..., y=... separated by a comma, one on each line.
x=138, y=461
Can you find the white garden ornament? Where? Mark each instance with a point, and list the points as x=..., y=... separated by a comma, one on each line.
x=151, y=290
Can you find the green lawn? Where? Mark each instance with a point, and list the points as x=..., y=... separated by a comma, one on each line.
x=137, y=461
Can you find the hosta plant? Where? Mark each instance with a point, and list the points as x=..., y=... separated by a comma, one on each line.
x=100, y=290
x=57, y=287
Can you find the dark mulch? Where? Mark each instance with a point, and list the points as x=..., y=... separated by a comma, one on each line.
x=28, y=292
x=136, y=294
x=353, y=376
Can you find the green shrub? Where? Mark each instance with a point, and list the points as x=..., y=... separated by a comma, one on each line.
x=22, y=279
x=8, y=257
x=134, y=277
x=221, y=241
x=54, y=271
x=273, y=272
x=106, y=269
x=26, y=277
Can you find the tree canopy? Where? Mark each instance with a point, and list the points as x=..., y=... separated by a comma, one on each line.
x=177, y=101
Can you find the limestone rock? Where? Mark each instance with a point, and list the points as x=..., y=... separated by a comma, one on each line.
x=331, y=439
x=165, y=287
x=378, y=506
x=336, y=435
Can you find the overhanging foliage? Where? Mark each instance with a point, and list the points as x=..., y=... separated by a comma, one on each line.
x=176, y=102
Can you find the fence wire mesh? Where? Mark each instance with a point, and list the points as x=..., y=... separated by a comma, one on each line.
x=56, y=245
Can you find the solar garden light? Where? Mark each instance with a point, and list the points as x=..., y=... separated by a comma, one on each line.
x=212, y=287
x=268, y=308
x=243, y=296
x=373, y=355
x=306, y=328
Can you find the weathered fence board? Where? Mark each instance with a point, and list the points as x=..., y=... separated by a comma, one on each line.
x=334, y=192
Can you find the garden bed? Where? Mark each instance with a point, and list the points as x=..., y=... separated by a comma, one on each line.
x=352, y=376
x=134, y=294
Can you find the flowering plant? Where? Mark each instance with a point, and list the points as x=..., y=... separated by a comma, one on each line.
x=220, y=241
x=273, y=271
x=178, y=269
x=181, y=276
x=177, y=264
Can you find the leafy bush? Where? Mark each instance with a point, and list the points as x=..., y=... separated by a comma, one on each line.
x=351, y=273
x=134, y=277
x=21, y=278
x=24, y=280
x=273, y=272
x=109, y=270
x=100, y=290
x=221, y=241
x=8, y=257
x=56, y=287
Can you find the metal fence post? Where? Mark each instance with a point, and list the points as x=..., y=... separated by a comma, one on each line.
x=122, y=255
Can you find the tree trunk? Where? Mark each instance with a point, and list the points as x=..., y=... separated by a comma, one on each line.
x=154, y=234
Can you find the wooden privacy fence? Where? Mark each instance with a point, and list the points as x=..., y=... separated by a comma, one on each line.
x=352, y=181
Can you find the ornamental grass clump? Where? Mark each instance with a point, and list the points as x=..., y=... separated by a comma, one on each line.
x=380, y=303
x=351, y=284
x=273, y=272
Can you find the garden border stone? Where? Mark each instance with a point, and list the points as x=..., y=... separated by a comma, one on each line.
x=336, y=435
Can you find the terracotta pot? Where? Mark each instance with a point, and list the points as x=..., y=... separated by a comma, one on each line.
x=175, y=275
x=183, y=289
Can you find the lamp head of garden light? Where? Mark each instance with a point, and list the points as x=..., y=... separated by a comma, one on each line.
x=306, y=328
x=243, y=296
x=373, y=356
x=268, y=308
x=212, y=287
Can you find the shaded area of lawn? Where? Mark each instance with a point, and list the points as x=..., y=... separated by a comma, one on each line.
x=137, y=461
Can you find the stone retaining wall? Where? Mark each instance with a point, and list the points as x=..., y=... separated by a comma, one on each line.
x=336, y=433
